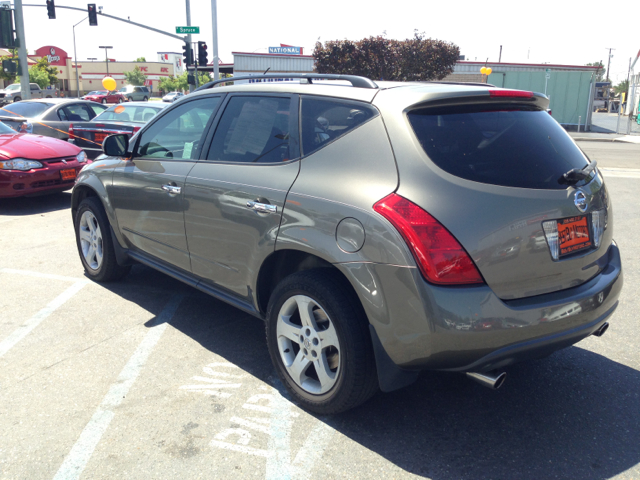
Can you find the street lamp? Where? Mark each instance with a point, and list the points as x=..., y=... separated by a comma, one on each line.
x=75, y=55
x=106, y=57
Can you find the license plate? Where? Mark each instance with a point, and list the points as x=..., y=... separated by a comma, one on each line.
x=69, y=174
x=100, y=137
x=573, y=234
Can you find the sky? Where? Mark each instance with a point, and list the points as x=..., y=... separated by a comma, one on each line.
x=556, y=32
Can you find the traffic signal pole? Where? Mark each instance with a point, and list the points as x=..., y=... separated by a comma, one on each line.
x=188, y=40
x=22, y=51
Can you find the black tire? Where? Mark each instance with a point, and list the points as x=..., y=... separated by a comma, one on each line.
x=17, y=99
x=108, y=270
x=120, y=100
x=355, y=376
x=104, y=101
x=145, y=99
x=129, y=99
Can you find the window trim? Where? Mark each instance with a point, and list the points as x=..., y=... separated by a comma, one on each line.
x=294, y=110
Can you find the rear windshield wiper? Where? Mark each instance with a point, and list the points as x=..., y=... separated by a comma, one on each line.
x=575, y=175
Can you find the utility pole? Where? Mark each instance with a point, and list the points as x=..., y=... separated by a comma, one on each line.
x=22, y=52
x=609, y=62
x=75, y=56
x=500, y=57
x=214, y=28
x=188, y=5
x=106, y=57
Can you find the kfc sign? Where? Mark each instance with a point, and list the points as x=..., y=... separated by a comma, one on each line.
x=164, y=70
x=144, y=69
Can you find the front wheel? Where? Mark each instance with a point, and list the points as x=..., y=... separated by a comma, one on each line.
x=319, y=342
x=104, y=101
x=120, y=100
x=145, y=99
x=94, y=242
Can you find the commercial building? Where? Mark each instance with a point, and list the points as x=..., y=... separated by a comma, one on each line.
x=91, y=73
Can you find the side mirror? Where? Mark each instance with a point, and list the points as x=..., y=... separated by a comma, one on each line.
x=116, y=145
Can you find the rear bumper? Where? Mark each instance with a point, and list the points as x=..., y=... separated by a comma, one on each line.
x=422, y=326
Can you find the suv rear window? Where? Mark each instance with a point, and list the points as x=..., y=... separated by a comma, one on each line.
x=498, y=145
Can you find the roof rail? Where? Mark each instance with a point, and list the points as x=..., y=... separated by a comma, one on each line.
x=359, y=82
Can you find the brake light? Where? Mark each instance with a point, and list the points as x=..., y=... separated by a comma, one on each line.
x=136, y=130
x=440, y=257
x=510, y=93
x=71, y=135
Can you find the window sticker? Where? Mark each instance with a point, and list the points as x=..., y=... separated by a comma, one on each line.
x=119, y=109
x=188, y=147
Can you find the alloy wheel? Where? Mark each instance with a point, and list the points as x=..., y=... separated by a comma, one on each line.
x=91, y=240
x=308, y=344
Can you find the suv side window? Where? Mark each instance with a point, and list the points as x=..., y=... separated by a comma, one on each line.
x=77, y=113
x=255, y=129
x=178, y=134
x=325, y=120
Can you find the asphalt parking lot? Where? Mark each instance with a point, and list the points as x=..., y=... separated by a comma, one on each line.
x=148, y=378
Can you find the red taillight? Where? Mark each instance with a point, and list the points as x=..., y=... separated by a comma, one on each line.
x=441, y=258
x=136, y=130
x=510, y=93
x=71, y=135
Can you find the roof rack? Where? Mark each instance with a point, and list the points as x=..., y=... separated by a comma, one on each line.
x=470, y=84
x=358, y=82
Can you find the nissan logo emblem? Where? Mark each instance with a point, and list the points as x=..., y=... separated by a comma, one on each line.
x=580, y=201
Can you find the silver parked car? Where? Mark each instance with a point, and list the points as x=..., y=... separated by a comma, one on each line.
x=378, y=228
x=172, y=97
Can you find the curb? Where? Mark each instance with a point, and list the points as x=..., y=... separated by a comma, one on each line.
x=596, y=139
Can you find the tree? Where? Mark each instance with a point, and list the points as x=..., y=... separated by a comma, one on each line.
x=167, y=84
x=413, y=59
x=39, y=76
x=622, y=87
x=52, y=72
x=141, y=59
x=135, y=77
x=600, y=76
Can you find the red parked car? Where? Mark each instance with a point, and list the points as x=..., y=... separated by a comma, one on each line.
x=103, y=96
x=33, y=164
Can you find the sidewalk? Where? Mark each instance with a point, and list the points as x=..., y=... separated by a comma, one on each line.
x=603, y=137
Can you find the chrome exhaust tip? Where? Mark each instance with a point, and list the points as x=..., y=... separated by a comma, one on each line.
x=492, y=380
x=603, y=328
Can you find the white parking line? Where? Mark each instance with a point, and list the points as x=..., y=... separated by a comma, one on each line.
x=24, y=329
x=81, y=452
x=42, y=275
x=620, y=172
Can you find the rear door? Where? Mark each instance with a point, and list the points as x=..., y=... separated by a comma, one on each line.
x=235, y=195
x=147, y=192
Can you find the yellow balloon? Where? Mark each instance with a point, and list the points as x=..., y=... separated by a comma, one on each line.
x=488, y=72
x=109, y=83
x=483, y=70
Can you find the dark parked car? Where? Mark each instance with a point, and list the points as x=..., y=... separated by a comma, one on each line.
x=33, y=164
x=50, y=117
x=126, y=119
x=363, y=223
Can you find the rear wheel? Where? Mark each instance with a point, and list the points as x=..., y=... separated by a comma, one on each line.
x=319, y=342
x=129, y=99
x=94, y=242
x=17, y=99
x=120, y=100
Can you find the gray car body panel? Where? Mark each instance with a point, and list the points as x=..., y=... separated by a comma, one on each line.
x=328, y=213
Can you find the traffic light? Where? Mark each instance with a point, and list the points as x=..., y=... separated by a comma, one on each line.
x=202, y=54
x=51, y=9
x=191, y=79
x=187, y=54
x=93, y=14
x=9, y=66
x=7, y=34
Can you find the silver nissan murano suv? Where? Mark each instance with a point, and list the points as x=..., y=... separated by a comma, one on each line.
x=378, y=228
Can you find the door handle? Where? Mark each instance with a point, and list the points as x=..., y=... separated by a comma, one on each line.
x=172, y=189
x=262, y=207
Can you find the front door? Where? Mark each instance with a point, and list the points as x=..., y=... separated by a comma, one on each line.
x=235, y=196
x=147, y=191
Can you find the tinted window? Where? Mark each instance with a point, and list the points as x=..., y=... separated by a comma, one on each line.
x=5, y=130
x=127, y=113
x=77, y=112
x=513, y=148
x=178, y=134
x=26, y=109
x=97, y=108
x=325, y=120
x=254, y=129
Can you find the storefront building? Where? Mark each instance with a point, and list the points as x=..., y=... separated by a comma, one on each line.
x=91, y=73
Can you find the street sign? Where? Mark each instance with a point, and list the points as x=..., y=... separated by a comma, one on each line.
x=548, y=70
x=548, y=75
x=187, y=29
